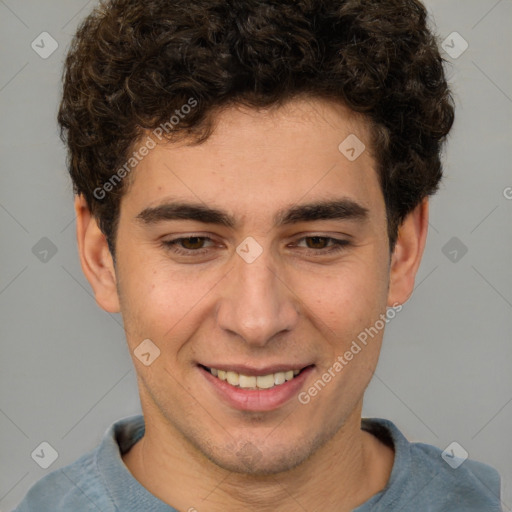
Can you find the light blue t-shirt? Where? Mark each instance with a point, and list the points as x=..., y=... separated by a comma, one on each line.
x=421, y=481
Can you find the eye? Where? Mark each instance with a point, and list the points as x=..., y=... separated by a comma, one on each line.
x=187, y=245
x=318, y=245
x=195, y=245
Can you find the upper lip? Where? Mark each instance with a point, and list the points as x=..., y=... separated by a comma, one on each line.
x=252, y=371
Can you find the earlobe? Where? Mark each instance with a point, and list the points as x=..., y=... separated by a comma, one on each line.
x=95, y=258
x=407, y=254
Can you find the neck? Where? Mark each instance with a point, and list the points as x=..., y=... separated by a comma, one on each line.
x=344, y=473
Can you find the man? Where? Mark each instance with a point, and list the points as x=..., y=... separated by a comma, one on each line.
x=252, y=183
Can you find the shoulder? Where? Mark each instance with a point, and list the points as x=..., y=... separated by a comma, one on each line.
x=463, y=483
x=76, y=486
x=86, y=484
x=433, y=479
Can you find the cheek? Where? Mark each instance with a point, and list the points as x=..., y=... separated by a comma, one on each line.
x=348, y=297
x=346, y=310
x=160, y=303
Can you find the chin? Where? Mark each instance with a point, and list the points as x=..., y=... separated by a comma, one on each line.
x=260, y=459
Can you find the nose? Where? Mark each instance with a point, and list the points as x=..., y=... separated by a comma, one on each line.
x=256, y=303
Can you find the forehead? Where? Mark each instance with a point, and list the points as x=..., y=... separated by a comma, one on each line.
x=256, y=161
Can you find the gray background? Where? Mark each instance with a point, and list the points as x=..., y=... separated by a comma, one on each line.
x=445, y=371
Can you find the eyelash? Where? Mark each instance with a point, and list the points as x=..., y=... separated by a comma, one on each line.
x=338, y=246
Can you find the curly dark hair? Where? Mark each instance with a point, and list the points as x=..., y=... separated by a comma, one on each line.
x=133, y=64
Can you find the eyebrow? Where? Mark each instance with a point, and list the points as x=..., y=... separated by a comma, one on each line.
x=337, y=209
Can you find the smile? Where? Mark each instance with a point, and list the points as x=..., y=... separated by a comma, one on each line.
x=256, y=389
x=252, y=381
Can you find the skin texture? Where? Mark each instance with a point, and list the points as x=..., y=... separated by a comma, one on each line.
x=288, y=306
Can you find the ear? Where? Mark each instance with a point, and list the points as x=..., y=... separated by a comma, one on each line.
x=406, y=258
x=95, y=258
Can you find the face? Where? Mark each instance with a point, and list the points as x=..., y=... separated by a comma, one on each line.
x=261, y=287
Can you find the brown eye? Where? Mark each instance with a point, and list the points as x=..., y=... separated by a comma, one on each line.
x=192, y=242
x=188, y=246
x=319, y=245
x=318, y=242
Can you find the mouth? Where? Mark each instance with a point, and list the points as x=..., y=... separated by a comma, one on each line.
x=252, y=381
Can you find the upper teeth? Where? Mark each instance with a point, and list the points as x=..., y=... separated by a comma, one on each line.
x=251, y=381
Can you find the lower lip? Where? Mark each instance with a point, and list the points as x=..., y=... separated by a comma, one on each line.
x=257, y=399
